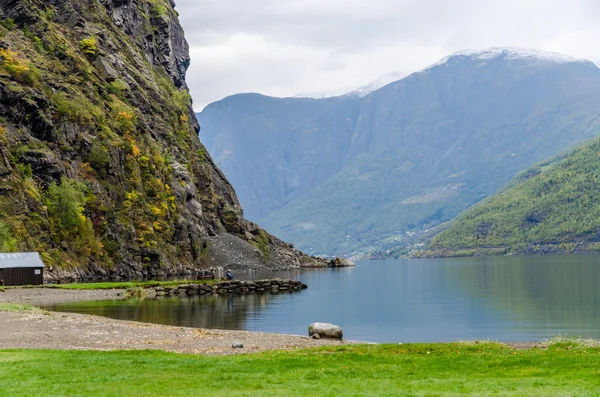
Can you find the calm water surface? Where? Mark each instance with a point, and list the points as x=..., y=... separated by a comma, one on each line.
x=505, y=299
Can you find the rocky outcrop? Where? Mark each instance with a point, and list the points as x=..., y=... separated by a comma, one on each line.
x=341, y=262
x=166, y=47
x=101, y=168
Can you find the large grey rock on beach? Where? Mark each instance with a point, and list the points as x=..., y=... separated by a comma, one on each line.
x=325, y=330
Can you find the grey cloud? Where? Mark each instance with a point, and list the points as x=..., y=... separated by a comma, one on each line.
x=282, y=47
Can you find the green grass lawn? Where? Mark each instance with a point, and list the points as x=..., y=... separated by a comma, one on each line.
x=369, y=370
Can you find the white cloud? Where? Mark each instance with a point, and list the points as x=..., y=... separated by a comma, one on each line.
x=282, y=48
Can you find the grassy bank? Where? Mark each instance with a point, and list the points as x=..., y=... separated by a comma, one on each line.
x=17, y=307
x=409, y=370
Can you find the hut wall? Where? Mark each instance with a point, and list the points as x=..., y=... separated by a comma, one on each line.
x=22, y=276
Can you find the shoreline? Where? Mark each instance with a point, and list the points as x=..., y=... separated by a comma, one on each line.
x=70, y=331
x=39, y=329
x=46, y=296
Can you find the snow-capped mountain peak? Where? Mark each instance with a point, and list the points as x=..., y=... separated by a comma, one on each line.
x=511, y=53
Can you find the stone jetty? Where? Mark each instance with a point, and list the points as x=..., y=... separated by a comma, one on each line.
x=272, y=286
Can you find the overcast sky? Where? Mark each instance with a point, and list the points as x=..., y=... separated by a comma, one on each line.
x=287, y=47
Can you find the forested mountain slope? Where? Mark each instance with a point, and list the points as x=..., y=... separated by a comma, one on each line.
x=349, y=174
x=101, y=168
x=552, y=207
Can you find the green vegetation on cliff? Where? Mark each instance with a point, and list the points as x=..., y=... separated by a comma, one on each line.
x=553, y=206
x=101, y=168
x=81, y=158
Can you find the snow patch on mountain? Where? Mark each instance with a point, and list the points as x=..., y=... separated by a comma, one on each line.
x=377, y=84
x=359, y=92
x=510, y=53
x=323, y=94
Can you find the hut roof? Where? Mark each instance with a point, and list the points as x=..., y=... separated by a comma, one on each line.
x=20, y=260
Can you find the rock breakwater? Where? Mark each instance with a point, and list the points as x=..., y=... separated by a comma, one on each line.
x=273, y=286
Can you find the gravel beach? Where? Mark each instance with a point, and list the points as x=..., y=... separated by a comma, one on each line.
x=66, y=331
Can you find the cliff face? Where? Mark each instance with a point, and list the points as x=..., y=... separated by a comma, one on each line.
x=101, y=168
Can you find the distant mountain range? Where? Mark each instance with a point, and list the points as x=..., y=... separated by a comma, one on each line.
x=354, y=173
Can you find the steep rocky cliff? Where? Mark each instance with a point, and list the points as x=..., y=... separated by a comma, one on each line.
x=101, y=168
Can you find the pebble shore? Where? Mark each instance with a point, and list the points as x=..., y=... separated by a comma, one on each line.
x=67, y=331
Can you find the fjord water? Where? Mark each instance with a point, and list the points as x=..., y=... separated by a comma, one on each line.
x=498, y=298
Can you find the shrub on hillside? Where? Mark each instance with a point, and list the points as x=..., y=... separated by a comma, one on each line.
x=89, y=46
x=7, y=242
x=66, y=204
